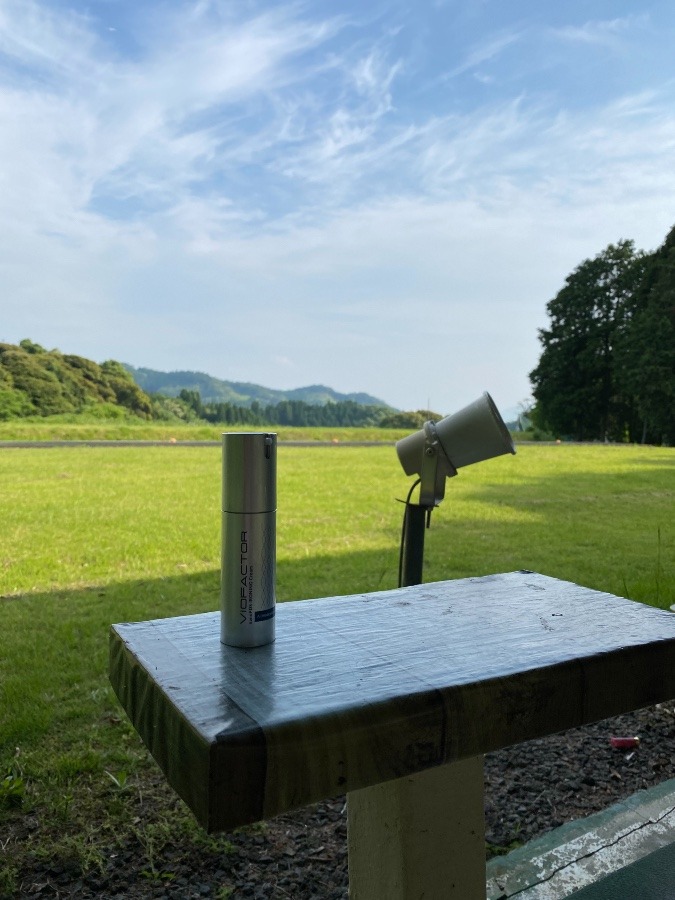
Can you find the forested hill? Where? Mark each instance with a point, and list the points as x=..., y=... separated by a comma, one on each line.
x=35, y=381
x=39, y=382
x=238, y=393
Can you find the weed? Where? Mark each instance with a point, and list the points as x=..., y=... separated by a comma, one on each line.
x=212, y=843
x=224, y=893
x=153, y=837
x=12, y=791
x=120, y=780
x=9, y=874
x=63, y=804
x=192, y=833
x=500, y=849
x=84, y=846
x=253, y=828
x=154, y=875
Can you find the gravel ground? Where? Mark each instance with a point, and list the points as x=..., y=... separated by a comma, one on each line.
x=530, y=789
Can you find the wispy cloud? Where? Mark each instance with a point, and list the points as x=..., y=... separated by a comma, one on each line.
x=89, y=125
x=485, y=51
x=332, y=177
x=607, y=32
x=44, y=42
x=208, y=130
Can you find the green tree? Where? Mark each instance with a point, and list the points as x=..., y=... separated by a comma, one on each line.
x=127, y=392
x=87, y=379
x=646, y=351
x=574, y=384
x=13, y=403
x=194, y=401
x=32, y=374
x=31, y=347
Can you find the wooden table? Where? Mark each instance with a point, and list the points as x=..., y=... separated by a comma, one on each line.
x=390, y=697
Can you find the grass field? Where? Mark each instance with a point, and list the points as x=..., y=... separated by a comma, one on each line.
x=92, y=536
x=80, y=428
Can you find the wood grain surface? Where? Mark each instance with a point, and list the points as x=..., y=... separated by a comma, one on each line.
x=362, y=689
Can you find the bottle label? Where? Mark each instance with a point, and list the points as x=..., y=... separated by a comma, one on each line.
x=248, y=578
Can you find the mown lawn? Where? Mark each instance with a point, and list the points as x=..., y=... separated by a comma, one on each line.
x=93, y=536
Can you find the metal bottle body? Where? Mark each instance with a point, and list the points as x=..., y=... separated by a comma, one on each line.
x=248, y=553
x=248, y=579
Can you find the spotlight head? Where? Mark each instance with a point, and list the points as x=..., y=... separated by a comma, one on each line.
x=435, y=452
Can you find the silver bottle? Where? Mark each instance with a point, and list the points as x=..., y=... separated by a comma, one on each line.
x=248, y=559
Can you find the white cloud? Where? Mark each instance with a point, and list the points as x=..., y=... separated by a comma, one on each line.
x=60, y=44
x=104, y=126
x=266, y=198
x=485, y=51
x=607, y=32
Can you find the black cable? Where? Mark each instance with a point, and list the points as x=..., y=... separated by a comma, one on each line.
x=403, y=535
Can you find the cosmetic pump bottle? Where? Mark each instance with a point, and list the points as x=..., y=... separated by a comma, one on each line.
x=248, y=556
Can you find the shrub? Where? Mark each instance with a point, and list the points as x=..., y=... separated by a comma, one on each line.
x=410, y=420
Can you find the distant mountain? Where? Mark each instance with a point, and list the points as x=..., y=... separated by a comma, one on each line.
x=240, y=393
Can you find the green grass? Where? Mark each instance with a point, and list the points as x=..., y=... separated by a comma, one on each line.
x=93, y=536
x=79, y=427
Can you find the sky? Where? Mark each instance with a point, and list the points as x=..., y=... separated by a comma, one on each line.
x=377, y=197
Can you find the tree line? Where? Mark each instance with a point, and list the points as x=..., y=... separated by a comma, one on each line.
x=339, y=414
x=607, y=366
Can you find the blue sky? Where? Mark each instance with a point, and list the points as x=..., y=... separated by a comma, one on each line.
x=378, y=196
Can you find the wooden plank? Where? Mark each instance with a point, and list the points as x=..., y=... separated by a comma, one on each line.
x=419, y=836
x=363, y=689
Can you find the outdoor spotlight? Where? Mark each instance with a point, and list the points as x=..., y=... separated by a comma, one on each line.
x=434, y=453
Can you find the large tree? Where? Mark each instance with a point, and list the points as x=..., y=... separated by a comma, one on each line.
x=574, y=384
x=645, y=358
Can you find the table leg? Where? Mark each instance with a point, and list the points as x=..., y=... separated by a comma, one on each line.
x=421, y=836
